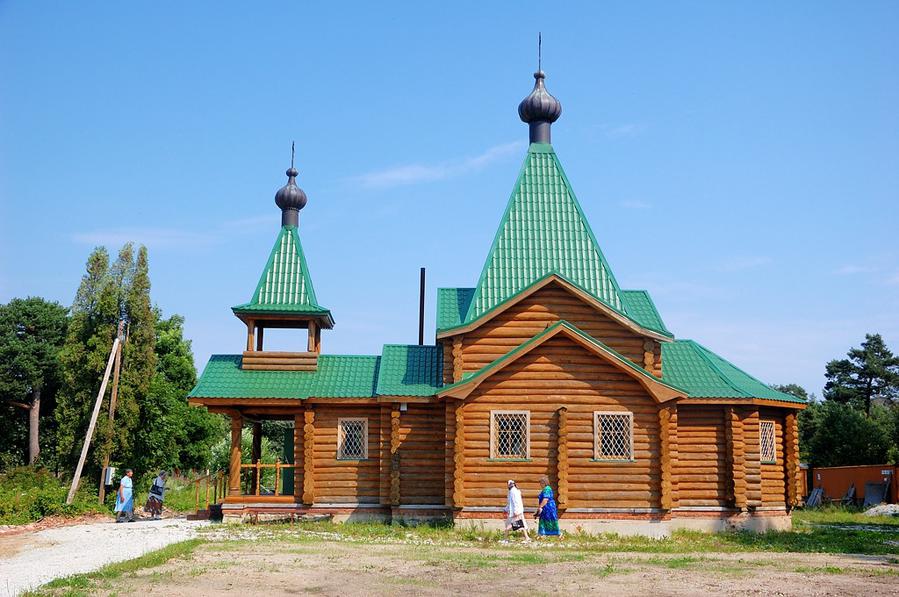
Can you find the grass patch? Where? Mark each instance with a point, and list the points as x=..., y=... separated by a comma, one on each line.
x=841, y=515
x=604, y=571
x=28, y=494
x=805, y=538
x=819, y=570
x=72, y=584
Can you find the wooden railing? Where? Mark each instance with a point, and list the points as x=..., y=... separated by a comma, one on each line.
x=219, y=488
x=254, y=483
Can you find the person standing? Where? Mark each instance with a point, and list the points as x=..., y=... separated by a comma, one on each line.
x=157, y=495
x=124, y=501
x=515, y=511
x=547, y=515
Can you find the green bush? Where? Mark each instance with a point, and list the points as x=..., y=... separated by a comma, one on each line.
x=28, y=494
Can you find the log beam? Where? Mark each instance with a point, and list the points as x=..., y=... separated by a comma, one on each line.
x=255, y=455
x=234, y=455
x=251, y=329
x=563, y=457
x=458, y=360
x=309, y=456
x=459, y=459
x=395, y=455
x=736, y=457
x=297, y=456
x=791, y=458
x=665, y=461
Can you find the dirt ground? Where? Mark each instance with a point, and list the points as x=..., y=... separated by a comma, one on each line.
x=248, y=567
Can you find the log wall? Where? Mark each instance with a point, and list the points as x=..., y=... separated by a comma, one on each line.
x=421, y=435
x=535, y=313
x=701, y=469
x=562, y=373
x=346, y=481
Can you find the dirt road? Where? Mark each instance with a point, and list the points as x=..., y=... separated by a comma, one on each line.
x=29, y=560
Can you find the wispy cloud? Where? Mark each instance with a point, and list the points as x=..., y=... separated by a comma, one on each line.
x=151, y=237
x=634, y=204
x=421, y=173
x=738, y=264
x=623, y=130
x=852, y=269
x=172, y=237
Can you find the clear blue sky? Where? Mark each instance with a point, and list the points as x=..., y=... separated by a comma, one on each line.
x=739, y=162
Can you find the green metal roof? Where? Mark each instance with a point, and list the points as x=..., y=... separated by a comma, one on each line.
x=543, y=231
x=285, y=285
x=452, y=305
x=638, y=306
x=337, y=376
x=410, y=370
x=523, y=347
x=703, y=374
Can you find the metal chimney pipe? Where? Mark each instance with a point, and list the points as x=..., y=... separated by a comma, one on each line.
x=421, y=309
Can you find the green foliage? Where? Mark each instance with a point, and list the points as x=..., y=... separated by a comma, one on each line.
x=794, y=390
x=154, y=427
x=836, y=434
x=28, y=494
x=870, y=373
x=32, y=331
x=92, y=326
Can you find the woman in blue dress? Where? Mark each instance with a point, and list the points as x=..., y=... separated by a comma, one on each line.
x=548, y=524
x=124, y=501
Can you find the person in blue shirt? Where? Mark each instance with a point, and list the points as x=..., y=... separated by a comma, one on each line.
x=547, y=515
x=124, y=501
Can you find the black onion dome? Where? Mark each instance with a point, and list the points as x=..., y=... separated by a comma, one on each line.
x=539, y=106
x=290, y=196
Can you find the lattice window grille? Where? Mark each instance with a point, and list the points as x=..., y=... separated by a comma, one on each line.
x=353, y=439
x=767, y=444
x=510, y=434
x=613, y=436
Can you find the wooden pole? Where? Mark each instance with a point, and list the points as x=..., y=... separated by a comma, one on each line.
x=90, y=428
x=112, y=402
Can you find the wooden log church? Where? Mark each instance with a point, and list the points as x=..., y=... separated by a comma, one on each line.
x=545, y=366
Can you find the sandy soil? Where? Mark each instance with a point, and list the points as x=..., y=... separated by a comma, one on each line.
x=342, y=568
x=28, y=560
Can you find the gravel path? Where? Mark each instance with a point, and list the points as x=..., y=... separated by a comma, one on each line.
x=28, y=561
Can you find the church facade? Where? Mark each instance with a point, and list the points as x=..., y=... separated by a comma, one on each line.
x=546, y=366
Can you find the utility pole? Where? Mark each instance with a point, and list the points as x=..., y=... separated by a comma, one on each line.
x=112, y=401
x=90, y=427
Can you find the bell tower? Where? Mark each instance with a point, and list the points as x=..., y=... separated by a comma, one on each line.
x=284, y=296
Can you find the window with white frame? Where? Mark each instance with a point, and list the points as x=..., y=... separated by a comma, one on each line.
x=352, y=439
x=767, y=444
x=613, y=436
x=510, y=434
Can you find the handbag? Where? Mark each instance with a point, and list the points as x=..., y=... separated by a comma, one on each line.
x=517, y=524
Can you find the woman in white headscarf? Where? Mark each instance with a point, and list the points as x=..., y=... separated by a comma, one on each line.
x=515, y=512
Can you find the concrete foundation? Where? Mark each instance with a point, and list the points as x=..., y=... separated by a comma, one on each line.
x=649, y=523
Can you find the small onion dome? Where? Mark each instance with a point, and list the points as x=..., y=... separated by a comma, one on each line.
x=539, y=106
x=290, y=196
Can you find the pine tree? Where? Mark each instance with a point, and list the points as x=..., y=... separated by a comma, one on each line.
x=870, y=373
